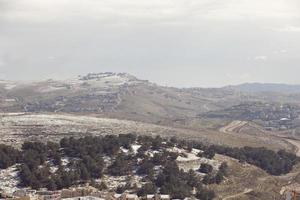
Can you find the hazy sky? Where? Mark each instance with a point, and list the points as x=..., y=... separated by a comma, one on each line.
x=171, y=42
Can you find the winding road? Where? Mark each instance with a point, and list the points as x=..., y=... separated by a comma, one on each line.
x=234, y=126
x=296, y=144
x=235, y=196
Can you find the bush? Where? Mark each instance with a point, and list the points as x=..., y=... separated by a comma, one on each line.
x=223, y=168
x=205, y=168
x=208, y=153
x=8, y=156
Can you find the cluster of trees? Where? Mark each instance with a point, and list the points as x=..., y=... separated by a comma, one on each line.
x=176, y=182
x=86, y=156
x=35, y=168
x=171, y=180
x=87, y=163
x=275, y=163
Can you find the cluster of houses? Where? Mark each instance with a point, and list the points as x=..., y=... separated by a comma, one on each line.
x=78, y=193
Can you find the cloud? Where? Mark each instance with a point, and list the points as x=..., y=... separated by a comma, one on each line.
x=260, y=58
x=128, y=10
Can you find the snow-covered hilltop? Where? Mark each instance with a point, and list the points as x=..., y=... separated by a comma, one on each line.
x=92, y=80
x=119, y=78
x=94, y=92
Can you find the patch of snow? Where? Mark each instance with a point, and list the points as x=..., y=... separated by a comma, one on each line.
x=196, y=151
x=49, y=89
x=10, y=86
x=65, y=161
x=9, y=179
x=176, y=150
x=124, y=150
x=151, y=153
x=113, y=182
x=284, y=119
x=10, y=100
x=135, y=148
x=190, y=157
x=12, y=114
x=53, y=169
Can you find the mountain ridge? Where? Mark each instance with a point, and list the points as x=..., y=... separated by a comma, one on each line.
x=243, y=87
x=266, y=87
x=123, y=96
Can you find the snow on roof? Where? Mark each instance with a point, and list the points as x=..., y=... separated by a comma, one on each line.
x=190, y=157
x=131, y=196
x=176, y=150
x=164, y=196
x=117, y=195
x=284, y=119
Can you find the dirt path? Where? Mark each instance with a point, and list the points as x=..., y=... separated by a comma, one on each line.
x=235, y=196
x=296, y=143
x=233, y=126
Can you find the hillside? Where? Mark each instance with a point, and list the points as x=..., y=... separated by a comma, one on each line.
x=123, y=96
x=15, y=128
x=112, y=94
x=114, y=102
x=109, y=104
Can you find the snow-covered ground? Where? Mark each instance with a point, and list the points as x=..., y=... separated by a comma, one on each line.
x=102, y=82
x=9, y=179
x=113, y=182
x=135, y=148
x=189, y=157
x=10, y=86
x=15, y=127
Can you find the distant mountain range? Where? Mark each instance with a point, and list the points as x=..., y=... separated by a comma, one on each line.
x=266, y=87
x=121, y=95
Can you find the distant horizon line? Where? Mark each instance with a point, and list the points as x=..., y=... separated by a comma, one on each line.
x=164, y=85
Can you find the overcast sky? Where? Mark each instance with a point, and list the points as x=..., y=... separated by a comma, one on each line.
x=171, y=42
